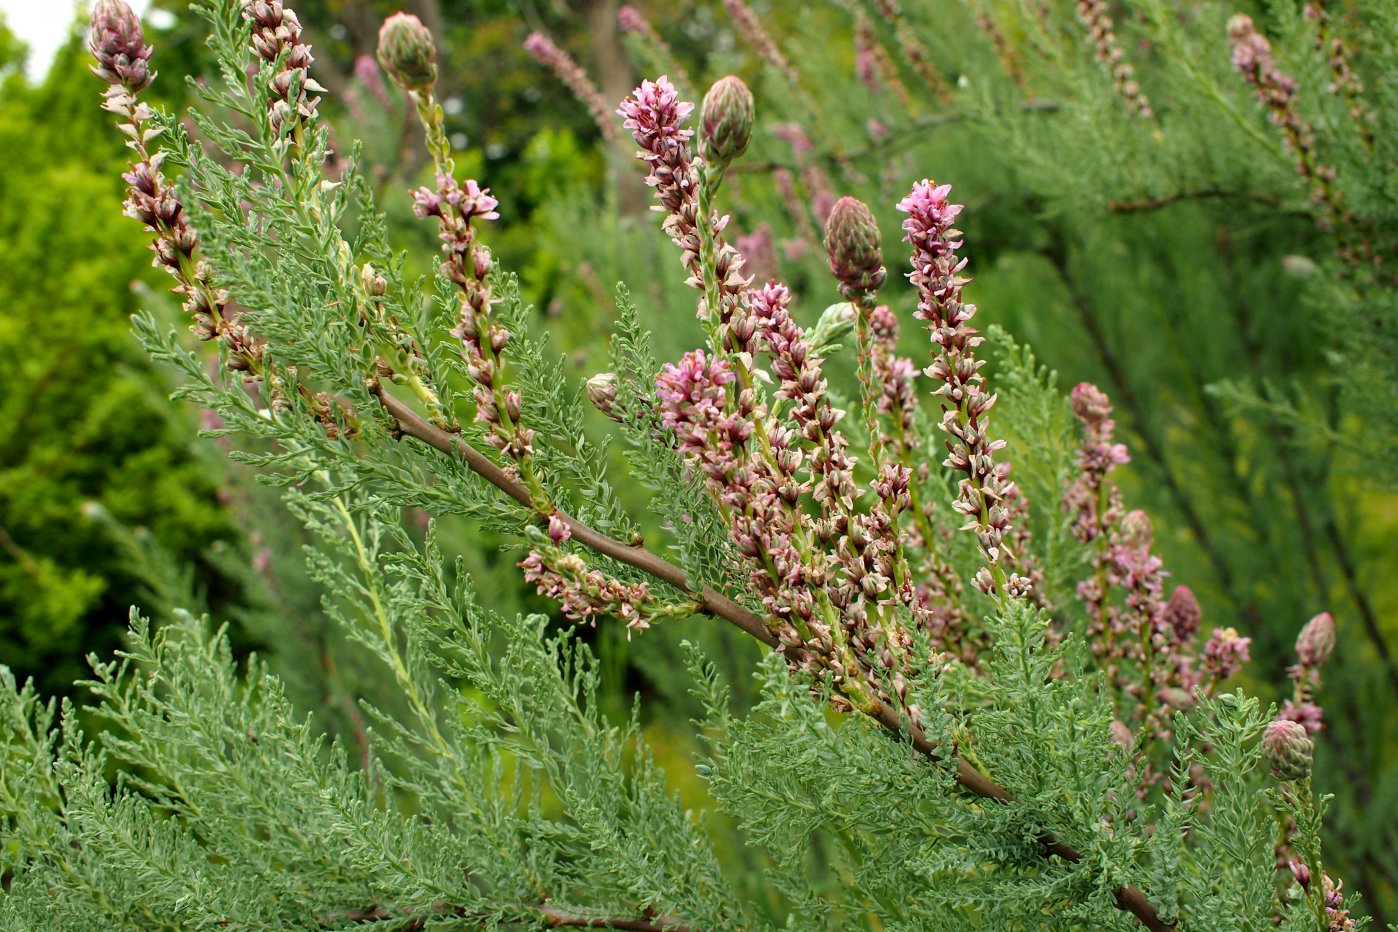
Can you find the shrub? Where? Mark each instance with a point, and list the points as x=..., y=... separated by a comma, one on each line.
x=965, y=720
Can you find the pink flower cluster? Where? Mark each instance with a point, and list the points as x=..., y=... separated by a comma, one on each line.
x=276, y=40
x=1276, y=90
x=1146, y=645
x=545, y=52
x=985, y=490
x=118, y=43
x=585, y=595
x=830, y=577
x=468, y=264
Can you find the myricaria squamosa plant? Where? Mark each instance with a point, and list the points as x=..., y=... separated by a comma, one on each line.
x=1191, y=210
x=938, y=742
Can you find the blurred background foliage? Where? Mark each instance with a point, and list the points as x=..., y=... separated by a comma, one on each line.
x=1175, y=261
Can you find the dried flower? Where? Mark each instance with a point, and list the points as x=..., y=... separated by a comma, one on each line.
x=725, y=121
x=407, y=53
x=855, y=248
x=119, y=45
x=1287, y=750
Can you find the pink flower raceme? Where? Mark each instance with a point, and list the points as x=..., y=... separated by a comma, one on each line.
x=1225, y=653
x=1146, y=645
x=122, y=55
x=468, y=264
x=585, y=595
x=1095, y=16
x=1276, y=90
x=751, y=29
x=985, y=489
x=543, y=50
x=655, y=115
x=293, y=94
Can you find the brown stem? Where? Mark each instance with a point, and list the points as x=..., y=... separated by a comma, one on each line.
x=550, y=916
x=556, y=919
x=411, y=424
x=1200, y=194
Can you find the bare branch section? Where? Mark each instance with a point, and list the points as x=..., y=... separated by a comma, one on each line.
x=547, y=915
x=410, y=424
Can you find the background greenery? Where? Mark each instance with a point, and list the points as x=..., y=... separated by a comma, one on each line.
x=1251, y=388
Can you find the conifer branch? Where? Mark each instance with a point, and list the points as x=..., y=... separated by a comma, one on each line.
x=410, y=424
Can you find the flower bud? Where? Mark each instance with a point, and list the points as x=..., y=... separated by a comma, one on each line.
x=1301, y=872
x=1183, y=614
x=601, y=391
x=406, y=52
x=1287, y=750
x=1090, y=403
x=725, y=121
x=119, y=46
x=855, y=247
x=1316, y=641
x=374, y=284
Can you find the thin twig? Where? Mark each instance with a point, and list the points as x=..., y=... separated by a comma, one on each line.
x=411, y=424
x=549, y=916
x=1201, y=194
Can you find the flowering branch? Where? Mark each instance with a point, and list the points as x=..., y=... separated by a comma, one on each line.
x=123, y=59
x=407, y=54
x=409, y=423
x=543, y=50
x=985, y=490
